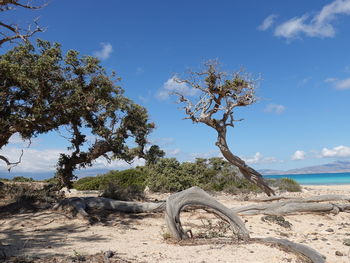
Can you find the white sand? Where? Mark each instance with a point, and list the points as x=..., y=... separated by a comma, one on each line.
x=140, y=238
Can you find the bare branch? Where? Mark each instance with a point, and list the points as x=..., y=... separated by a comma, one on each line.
x=220, y=94
x=16, y=31
x=9, y=164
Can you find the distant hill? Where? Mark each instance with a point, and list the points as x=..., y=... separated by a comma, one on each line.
x=335, y=167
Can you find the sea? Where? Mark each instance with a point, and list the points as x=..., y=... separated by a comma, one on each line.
x=316, y=179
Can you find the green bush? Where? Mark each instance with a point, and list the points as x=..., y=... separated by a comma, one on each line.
x=168, y=175
x=285, y=184
x=22, y=179
x=214, y=174
x=87, y=183
x=123, y=185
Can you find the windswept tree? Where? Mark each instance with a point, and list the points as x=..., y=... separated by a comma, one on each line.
x=219, y=94
x=11, y=30
x=43, y=90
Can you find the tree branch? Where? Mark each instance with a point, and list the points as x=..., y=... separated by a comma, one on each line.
x=9, y=164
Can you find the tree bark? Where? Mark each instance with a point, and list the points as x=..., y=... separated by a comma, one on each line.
x=248, y=172
x=80, y=204
x=195, y=196
x=304, y=250
x=306, y=205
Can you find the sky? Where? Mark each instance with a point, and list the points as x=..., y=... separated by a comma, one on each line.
x=299, y=48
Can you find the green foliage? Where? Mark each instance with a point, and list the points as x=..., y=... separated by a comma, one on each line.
x=285, y=184
x=87, y=183
x=43, y=89
x=214, y=174
x=22, y=179
x=121, y=185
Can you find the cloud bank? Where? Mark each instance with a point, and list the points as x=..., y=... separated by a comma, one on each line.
x=340, y=151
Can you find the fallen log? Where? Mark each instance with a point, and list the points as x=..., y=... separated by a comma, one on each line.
x=304, y=250
x=317, y=198
x=78, y=205
x=195, y=196
x=307, y=205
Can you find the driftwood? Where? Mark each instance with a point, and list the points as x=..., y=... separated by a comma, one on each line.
x=198, y=198
x=317, y=198
x=305, y=205
x=195, y=196
x=304, y=250
x=79, y=205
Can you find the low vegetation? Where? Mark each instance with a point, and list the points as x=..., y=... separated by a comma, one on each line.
x=167, y=175
x=285, y=184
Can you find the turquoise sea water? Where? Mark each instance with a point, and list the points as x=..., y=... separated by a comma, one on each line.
x=316, y=179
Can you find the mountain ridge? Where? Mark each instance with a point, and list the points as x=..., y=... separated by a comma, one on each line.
x=334, y=167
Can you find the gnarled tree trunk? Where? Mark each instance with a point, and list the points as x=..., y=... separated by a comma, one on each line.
x=248, y=172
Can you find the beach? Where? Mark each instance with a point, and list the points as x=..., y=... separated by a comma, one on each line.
x=144, y=238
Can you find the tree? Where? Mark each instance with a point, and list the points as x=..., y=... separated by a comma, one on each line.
x=43, y=90
x=219, y=94
x=11, y=31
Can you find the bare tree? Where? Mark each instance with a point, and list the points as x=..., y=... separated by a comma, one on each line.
x=12, y=31
x=219, y=94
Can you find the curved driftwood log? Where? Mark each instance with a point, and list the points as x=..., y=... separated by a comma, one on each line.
x=195, y=196
x=306, y=251
x=317, y=198
x=80, y=204
x=297, y=205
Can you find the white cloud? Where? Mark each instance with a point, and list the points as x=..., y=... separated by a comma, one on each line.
x=318, y=25
x=105, y=52
x=299, y=155
x=34, y=160
x=102, y=163
x=275, y=108
x=338, y=151
x=173, y=151
x=343, y=84
x=267, y=23
x=339, y=84
x=171, y=85
x=258, y=158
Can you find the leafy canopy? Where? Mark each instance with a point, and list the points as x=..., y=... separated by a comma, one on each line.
x=43, y=90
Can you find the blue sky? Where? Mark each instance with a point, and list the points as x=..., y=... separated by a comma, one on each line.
x=300, y=49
